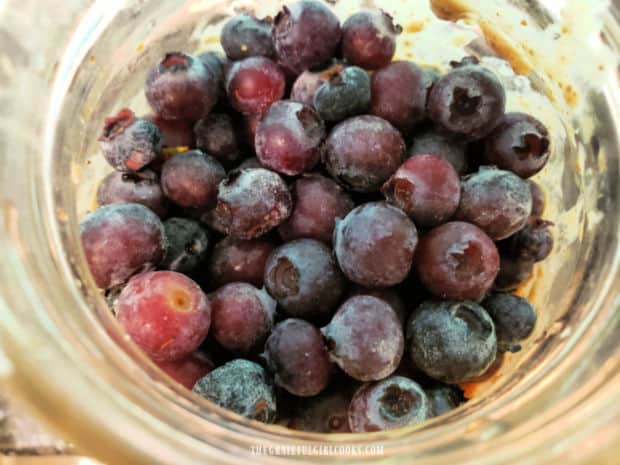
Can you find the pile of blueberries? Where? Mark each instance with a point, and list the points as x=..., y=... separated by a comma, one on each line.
x=355, y=271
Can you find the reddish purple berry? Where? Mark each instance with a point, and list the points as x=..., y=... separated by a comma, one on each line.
x=165, y=313
x=142, y=188
x=190, y=179
x=399, y=94
x=304, y=278
x=288, y=138
x=392, y=403
x=253, y=84
x=389, y=295
x=174, y=132
x=296, y=355
x=363, y=152
x=318, y=201
x=120, y=240
x=427, y=188
x=236, y=260
x=242, y=316
x=129, y=143
x=246, y=36
x=188, y=370
x=499, y=202
x=365, y=338
x=369, y=39
x=252, y=202
x=520, y=143
x=457, y=261
x=306, y=35
x=307, y=83
x=374, y=245
x=181, y=87
x=468, y=101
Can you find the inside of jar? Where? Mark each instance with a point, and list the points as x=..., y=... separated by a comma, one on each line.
x=110, y=65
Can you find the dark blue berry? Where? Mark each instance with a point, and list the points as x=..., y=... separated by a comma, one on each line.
x=346, y=93
x=142, y=188
x=188, y=243
x=246, y=36
x=217, y=135
x=432, y=141
x=532, y=243
x=514, y=319
x=443, y=398
x=241, y=386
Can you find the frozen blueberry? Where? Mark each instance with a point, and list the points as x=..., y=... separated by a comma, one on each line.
x=304, y=278
x=288, y=138
x=513, y=272
x=295, y=353
x=188, y=370
x=307, y=83
x=217, y=63
x=120, y=240
x=520, y=143
x=129, y=143
x=345, y=94
x=174, y=132
x=514, y=319
x=457, y=261
x=245, y=36
x=165, y=313
x=497, y=201
x=399, y=93
x=374, y=245
x=390, y=295
x=442, y=398
x=187, y=245
x=392, y=403
x=369, y=39
x=182, y=87
x=253, y=84
x=190, y=179
x=142, y=188
x=427, y=188
x=242, y=316
x=365, y=338
x=532, y=243
x=216, y=135
x=318, y=201
x=468, y=101
x=324, y=413
x=432, y=141
x=241, y=386
x=306, y=35
x=362, y=152
x=251, y=202
x=237, y=260
x=451, y=341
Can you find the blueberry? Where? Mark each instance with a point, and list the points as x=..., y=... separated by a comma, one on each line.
x=174, y=132
x=245, y=36
x=392, y=403
x=182, y=87
x=191, y=179
x=432, y=141
x=129, y=143
x=217, y=135
x=442, y=398
x=457, y=261
x=365, y=338
x=389, y=295
x=369, y=39
x=251, y=202
x=362, y=152
x=497, y=201
x=217, y=63
x=514, y=319
x=304, y=278
x=374, y=245
x=306, y=35
x=513, y=272
x=451, y=341
x=307, y=83
x=468, y=101
x=241, y=386
x=346, y=93
x=399, y=93
x=295, y=353
x=532, y=243
x=288, y=138
x=538, y=198
x=120, y=240
x=324, y=413
x=142, y=188
x=187, y=245
x=520, y=143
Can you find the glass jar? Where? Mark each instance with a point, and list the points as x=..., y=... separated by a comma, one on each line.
x=65, y=64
